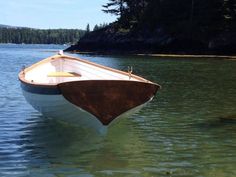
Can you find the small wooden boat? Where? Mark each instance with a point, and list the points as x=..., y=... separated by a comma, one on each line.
x=77, y=90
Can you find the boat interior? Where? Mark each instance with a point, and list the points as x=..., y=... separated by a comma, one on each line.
x=63, y=68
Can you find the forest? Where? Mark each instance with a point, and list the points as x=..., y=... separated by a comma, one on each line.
x=39, y=36
x=173, y=26
x=206, y=15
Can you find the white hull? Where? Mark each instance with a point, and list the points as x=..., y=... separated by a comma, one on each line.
x=57, y=107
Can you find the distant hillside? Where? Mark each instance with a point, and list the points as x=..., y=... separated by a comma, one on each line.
x=165, y=26
x=18, y=35
x=8, y=26
x=5, y=26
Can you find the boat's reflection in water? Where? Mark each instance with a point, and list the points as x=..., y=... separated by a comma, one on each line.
x=54, y=147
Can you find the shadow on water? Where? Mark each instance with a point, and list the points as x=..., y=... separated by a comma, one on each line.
x=228, y=121
x=228, y=118
x=221, y=131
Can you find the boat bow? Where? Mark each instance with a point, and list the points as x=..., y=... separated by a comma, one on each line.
x=107, y=99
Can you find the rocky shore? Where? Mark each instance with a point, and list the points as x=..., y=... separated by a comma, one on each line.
x=115, y=40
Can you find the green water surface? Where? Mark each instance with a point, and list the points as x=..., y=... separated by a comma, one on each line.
x=182, y=132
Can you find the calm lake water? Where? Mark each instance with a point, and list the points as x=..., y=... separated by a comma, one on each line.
x=179, y=133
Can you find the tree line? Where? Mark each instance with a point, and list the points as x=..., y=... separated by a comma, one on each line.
x=206, y=17
x=96, y=27
x=40, y=36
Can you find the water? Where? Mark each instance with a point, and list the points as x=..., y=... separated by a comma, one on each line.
x=179, y=133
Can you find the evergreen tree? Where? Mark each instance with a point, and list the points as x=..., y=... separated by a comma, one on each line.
x=87, y=28
x=100, y=26
x=95, y=28
x=116, y=7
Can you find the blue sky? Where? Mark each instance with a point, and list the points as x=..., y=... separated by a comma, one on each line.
x=53, y=13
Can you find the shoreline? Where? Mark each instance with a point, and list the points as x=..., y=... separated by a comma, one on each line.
x=190, y=56
x=162, y=55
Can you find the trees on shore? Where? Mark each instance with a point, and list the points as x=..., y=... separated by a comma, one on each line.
x=38, y=36
x=204, y=16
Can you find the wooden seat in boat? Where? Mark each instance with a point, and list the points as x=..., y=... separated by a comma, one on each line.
x=63, y=74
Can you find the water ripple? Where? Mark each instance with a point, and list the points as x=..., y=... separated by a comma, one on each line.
x=178, y=134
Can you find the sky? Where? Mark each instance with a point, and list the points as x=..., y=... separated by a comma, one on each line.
x=50, y=14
